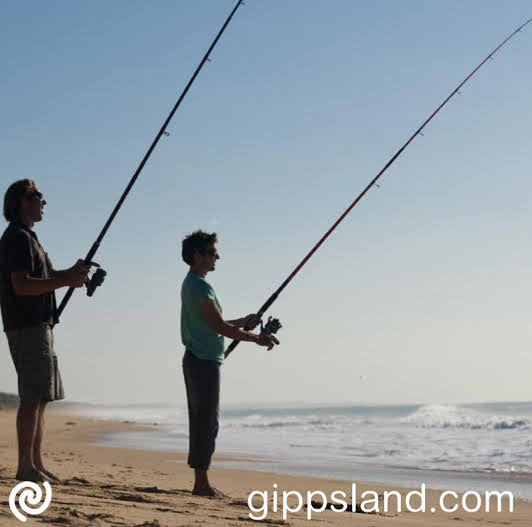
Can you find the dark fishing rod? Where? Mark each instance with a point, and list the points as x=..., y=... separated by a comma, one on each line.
x=99, y=275
x=273, y=297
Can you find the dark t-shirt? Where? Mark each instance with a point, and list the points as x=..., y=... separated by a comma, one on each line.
x=20, y=250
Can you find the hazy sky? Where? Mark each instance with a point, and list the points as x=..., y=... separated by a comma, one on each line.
x=422, y=295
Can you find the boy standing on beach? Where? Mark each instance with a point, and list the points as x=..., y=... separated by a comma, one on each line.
x=202, y=331
x=27, y=284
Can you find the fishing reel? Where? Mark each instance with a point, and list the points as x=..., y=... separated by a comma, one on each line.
x=96, y=280
x=271, y=327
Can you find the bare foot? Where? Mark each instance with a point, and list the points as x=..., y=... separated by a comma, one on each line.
x=203, y=491
x=209, y=492
x=30, y=474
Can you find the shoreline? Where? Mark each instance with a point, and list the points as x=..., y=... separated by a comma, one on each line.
x=112, y=485
x=519, y=483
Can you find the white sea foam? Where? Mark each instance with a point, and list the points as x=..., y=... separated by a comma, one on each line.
x=449, y=416
x=472, y=438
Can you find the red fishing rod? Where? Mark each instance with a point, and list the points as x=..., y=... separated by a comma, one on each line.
x=99, y=275
x=273, y=297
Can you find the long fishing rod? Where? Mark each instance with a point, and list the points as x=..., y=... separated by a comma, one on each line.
x=273, y=297
x=99, y=275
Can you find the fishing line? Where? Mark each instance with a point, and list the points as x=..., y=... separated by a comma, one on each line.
x=274, y=296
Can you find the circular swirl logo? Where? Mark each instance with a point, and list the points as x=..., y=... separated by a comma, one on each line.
x=31, y=494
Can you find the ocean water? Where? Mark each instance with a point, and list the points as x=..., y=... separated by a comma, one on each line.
x=478, y=446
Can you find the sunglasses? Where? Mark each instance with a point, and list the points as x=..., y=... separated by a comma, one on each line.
x=212, y=252
x=35, y=194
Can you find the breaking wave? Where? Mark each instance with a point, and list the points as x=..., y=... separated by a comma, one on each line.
x=449, y=416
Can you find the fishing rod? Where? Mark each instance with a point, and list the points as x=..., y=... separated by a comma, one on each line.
x=273, y=297
x=99, y=275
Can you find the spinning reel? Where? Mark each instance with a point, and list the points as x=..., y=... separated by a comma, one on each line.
x=96, y=280
x=271, y=327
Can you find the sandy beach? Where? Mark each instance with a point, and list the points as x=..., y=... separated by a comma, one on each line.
x=117, y=486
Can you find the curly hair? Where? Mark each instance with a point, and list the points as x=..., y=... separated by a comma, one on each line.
x=197, y=242
x=13, y=196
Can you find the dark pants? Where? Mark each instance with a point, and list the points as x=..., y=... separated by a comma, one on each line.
x=202, y=381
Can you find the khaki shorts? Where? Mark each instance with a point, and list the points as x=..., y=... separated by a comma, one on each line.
x=32, y=351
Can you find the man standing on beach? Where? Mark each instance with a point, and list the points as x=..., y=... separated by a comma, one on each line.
x=27, y=299
x=202, y=331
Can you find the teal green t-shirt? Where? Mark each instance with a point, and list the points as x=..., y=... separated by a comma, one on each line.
x=196, y=334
